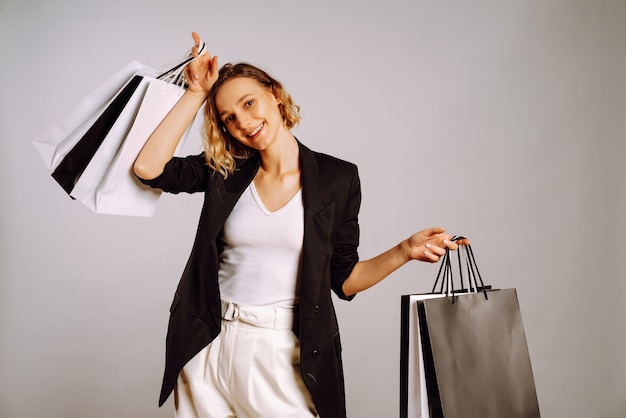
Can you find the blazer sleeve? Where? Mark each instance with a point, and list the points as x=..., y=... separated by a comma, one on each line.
x=189, y=174
x=345, y=254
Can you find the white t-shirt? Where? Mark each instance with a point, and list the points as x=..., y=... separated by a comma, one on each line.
x=260, y=262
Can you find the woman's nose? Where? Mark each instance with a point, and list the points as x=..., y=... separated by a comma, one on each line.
x=242, y=121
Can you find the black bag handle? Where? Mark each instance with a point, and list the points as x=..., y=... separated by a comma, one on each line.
x=447, y=278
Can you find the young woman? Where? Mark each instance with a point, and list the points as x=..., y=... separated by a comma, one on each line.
x=253, y=331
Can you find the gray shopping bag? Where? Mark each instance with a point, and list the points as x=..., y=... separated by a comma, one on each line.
x=464, y=350
x=476, y=358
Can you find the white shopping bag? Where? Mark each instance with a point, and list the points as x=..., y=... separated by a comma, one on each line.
x=413, y=392
x=85, y=188
x=58, y=139
x=120, y=192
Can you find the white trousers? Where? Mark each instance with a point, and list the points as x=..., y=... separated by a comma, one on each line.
x=251, y=370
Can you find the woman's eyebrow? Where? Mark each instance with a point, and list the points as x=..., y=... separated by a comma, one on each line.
x=241, y=99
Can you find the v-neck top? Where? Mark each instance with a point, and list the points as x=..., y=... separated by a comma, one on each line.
x=257, y=198
x=261, y=254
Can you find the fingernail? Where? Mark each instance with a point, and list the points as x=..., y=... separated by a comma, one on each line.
x=427, y=245
x=195, y=76
x=445, y=241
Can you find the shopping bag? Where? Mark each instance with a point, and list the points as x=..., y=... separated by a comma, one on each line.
x=120, y=192
x=101, y=150
x=74, y=163
x=59, y=138
x=413, y=394
x=465, y=352
x=476, y=357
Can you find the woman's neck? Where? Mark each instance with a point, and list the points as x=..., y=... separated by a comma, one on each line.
x=282, y=157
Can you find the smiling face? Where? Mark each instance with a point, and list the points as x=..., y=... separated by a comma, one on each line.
x=250, y=112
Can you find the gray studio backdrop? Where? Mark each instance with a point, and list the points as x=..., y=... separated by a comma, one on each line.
x=501, y=120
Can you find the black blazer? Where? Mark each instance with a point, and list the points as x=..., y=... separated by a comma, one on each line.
x=332, y=197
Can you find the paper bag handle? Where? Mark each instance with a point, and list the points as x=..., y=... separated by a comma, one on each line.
x=175, y=74
x=446, y=276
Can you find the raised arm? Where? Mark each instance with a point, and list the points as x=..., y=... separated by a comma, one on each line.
x=159, y=149
x=427, y=245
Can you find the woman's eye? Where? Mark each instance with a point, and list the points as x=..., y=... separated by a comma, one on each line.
x=249, y=102
x=229, y=119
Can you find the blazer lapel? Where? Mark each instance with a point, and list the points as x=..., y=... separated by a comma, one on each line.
x=225, y=193
x=318, y=221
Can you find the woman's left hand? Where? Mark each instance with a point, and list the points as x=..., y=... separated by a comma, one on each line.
x=430, y=244
x=427, y=245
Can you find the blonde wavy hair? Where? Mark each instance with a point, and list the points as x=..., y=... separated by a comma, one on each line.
x=220, y=148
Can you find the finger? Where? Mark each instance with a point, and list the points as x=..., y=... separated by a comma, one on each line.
x=451, y=244
x=214, y=68
x=197, y=41
x=430, y=256
x=434, y=249
x=196, y=38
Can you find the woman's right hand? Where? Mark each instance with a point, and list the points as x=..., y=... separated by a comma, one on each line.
x=203, y=72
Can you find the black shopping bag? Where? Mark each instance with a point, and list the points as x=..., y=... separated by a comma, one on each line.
x=464, y=352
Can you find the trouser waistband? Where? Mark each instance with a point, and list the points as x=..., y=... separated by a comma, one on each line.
x=260, y=316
